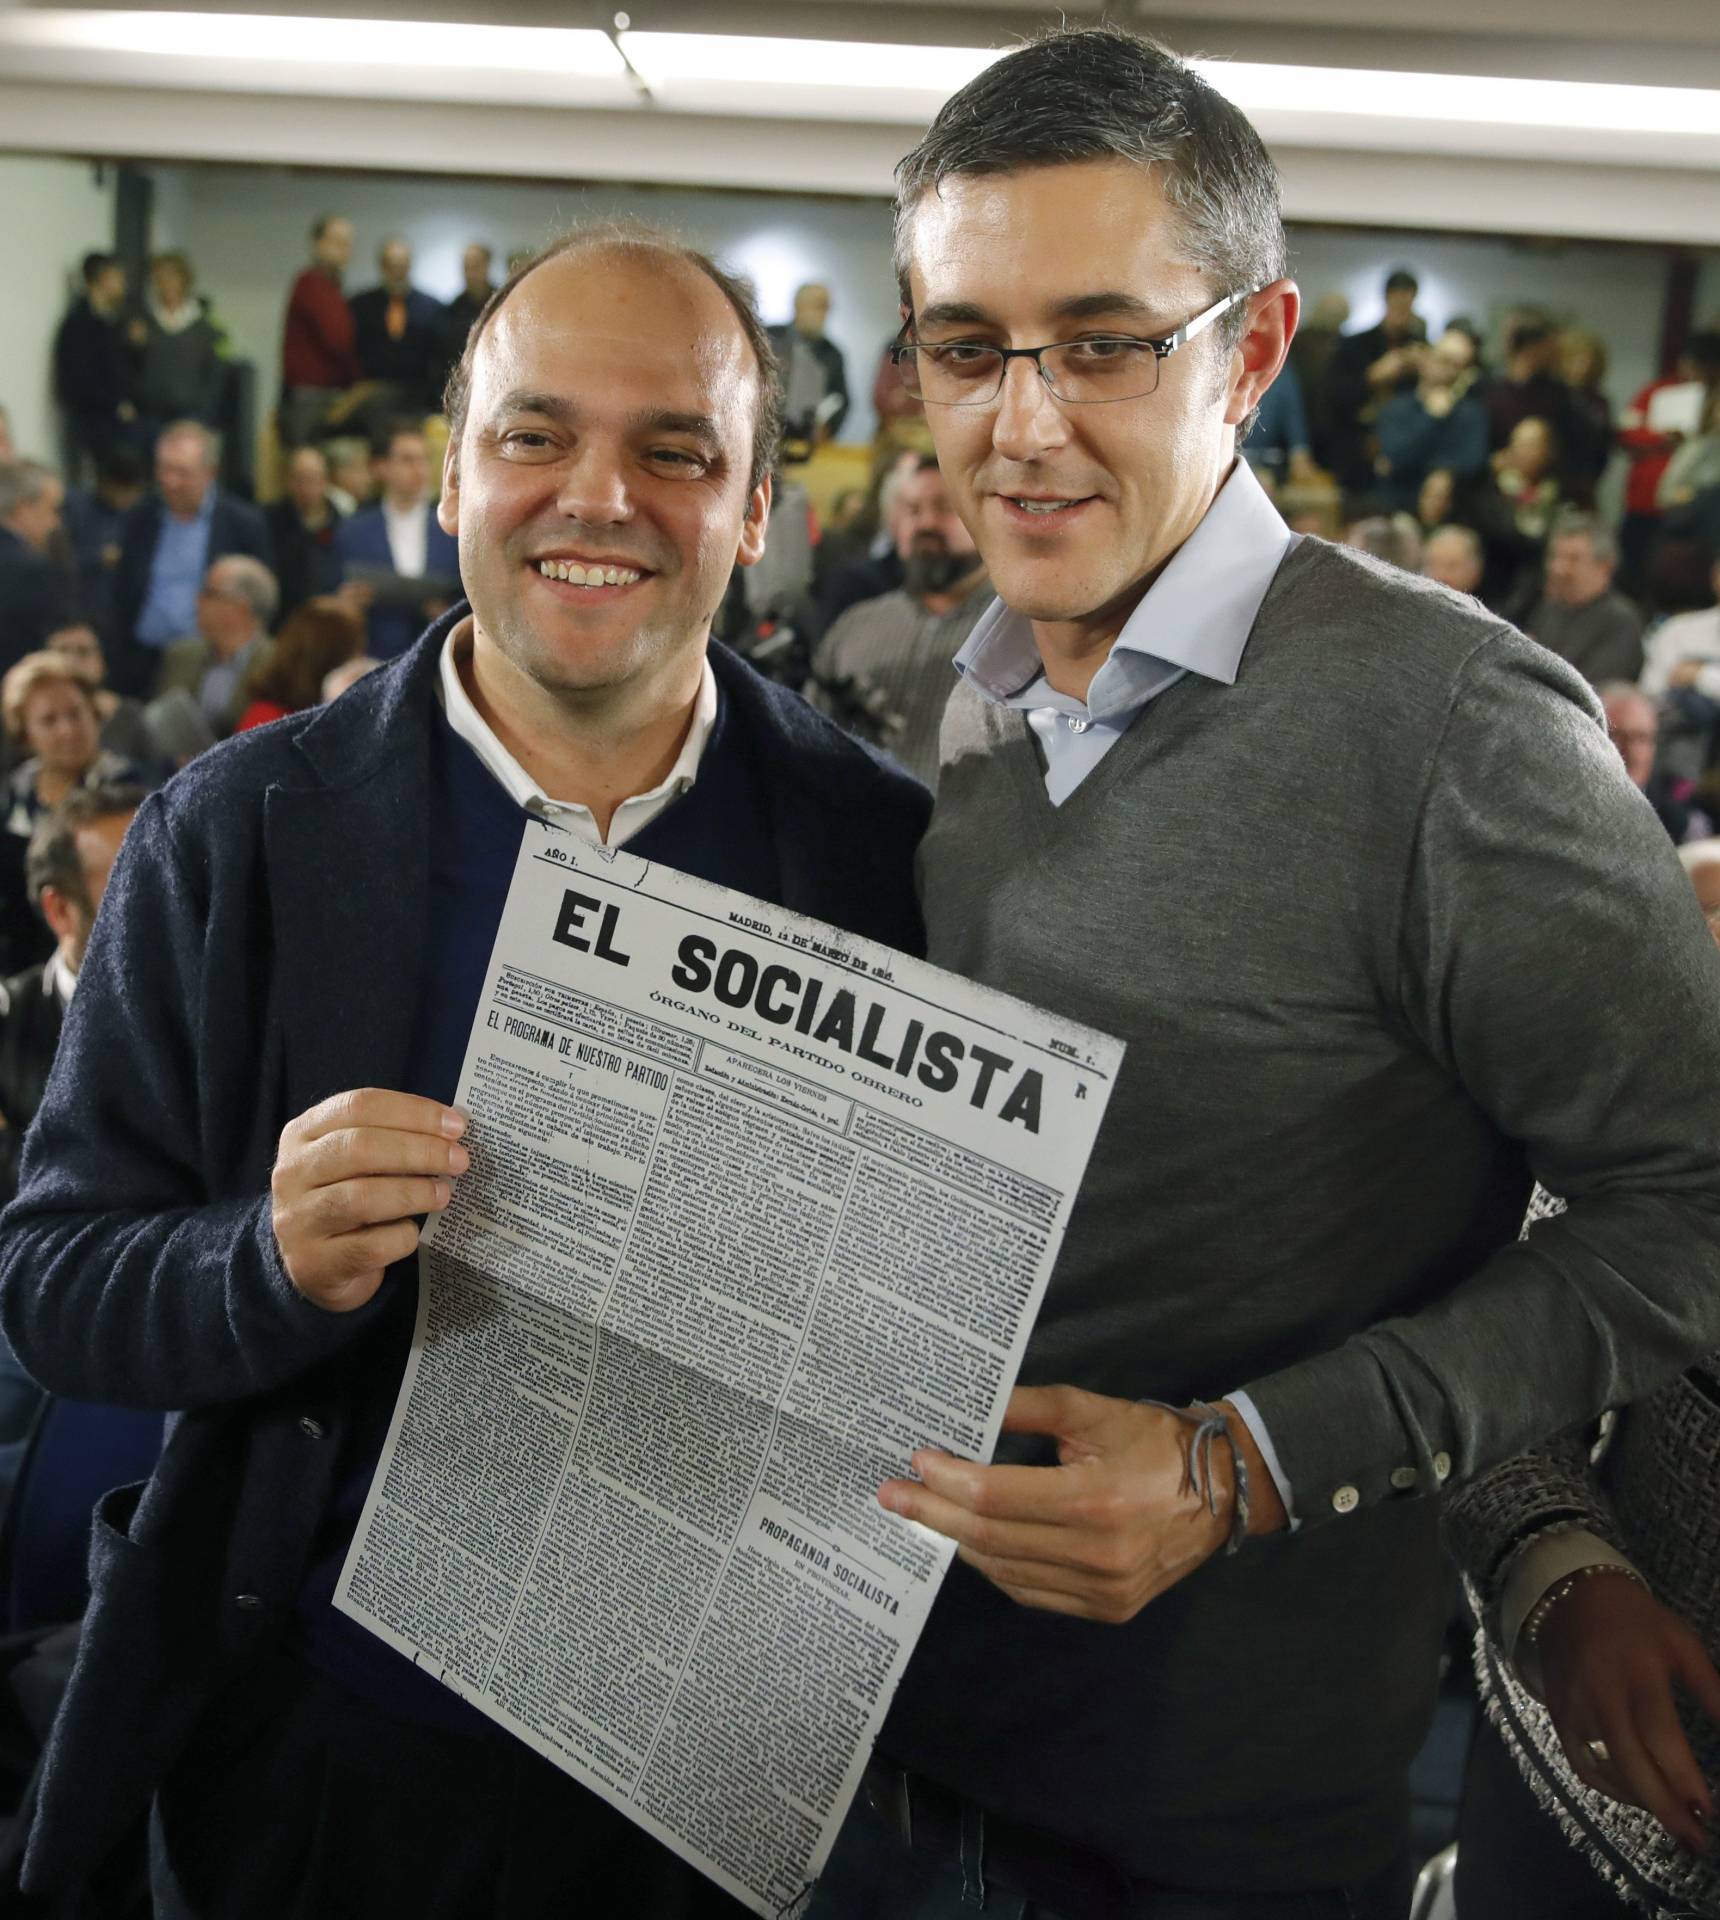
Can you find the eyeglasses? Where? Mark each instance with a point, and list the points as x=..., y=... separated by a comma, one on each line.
x=1088, y=372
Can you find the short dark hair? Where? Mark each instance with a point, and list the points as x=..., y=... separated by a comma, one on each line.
x=638, y=242
x=1704, y=348
x=382, y=441
x=1401, y=280
x=95, y=265
x=52, y=859
x=1102, y=93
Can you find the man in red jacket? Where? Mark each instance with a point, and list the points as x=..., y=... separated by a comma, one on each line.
x=319, y=354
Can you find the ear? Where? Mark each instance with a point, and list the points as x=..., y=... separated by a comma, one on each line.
x=751, y=549
x=63, y=914
x=1261, y=352
x=448, y=502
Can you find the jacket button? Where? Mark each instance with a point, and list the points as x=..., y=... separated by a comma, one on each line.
x=249, y=1601
x=1346, y=1500
x=1442, y=1467
x=1403, y=1478
x=311, y=1429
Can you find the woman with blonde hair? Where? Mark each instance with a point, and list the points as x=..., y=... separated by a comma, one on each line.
x=48, y=703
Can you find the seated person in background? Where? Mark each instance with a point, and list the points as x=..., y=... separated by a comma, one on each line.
x=231, y=642
x=1439, y=424
x=1580, y=615
x=70, y=855
x=1650, y=448
x=1455, y=557
x=66, y=870
x=94, y=520
x=49, y=708
x=168, y=544
x=1695, y=466
x=319, y=353
x=1526, y=475
x=888, y=664
x=180, y=372
x=1683, y=653
x=124, y=727
x=1599, y=1591
x=399, y=535
x=881, y=569
x=1278, y=446
x=36, y=592
x=314, y=641
x=1394, y=538
x=302, y=527
x=1633, y=725
x=398, y=332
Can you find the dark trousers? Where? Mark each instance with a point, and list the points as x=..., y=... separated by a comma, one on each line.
x=872, y=1875
x=1513, y=1862
x=300, y=1802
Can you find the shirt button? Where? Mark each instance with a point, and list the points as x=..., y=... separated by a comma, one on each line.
x=311, y=1429
x=1346, y=1500
x=1442, y=1467
x=249, y=1601
x=1403, y=1478
x=1077, y=725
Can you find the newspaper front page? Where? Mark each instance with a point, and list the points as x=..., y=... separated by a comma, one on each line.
x=755, y=1209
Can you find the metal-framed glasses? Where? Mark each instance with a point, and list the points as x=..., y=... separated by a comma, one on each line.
x=1084, y=372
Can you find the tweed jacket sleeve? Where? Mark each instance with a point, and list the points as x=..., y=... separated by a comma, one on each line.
x=129, y=1273
x=1550, y=955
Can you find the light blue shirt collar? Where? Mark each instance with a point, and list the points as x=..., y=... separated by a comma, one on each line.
x=1195, y=618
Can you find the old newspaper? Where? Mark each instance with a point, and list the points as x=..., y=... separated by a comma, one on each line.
x=755, y=1209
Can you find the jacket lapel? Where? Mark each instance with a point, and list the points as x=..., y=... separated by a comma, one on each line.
x=349, y=883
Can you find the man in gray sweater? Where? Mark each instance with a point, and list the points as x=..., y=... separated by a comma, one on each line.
x=1353, y=869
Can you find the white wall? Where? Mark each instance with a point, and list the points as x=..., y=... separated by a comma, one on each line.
x=246, y=230
x=52, y=212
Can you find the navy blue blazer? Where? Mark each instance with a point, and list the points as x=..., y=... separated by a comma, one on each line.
x=259, y=949
x=363, y=541
x=234, y=527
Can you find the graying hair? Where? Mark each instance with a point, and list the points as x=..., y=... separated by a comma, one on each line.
x=1470, y=538
x=194, y=429
x=22, y=481
x=251, y=582
x=1603, y=542
x=52, y=858
x=1101, y=93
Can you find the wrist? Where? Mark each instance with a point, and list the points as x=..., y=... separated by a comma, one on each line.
x=1534, y=1624
x=1266, y=1512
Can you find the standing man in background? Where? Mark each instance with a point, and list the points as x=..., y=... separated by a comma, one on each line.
x=814, y=374
x=399, y=332
x=93, y=372
x=1293, y=825
x=460, y=315
x=319, y=344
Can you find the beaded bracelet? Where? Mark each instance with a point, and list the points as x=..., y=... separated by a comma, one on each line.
x=1536, y=1618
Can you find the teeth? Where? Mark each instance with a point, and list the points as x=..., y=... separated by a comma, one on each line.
x=577, y=576
x=1043, y=506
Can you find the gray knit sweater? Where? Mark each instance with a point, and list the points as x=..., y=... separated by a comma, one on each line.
x=1387, y=932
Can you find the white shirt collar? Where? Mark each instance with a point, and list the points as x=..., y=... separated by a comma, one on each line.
x=58, y=978
x=1196, y=615
x=631, y=816
x=408, y=530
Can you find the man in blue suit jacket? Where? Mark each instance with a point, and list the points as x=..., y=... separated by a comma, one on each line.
x=249, y=1114
x=399, y=535
x=168, y=543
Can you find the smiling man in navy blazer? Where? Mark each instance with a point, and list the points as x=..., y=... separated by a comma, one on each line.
x=250, y=1111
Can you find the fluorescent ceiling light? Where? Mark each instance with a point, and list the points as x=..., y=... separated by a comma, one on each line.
x=1466, y=99
x=671, y=60
x=243, y=37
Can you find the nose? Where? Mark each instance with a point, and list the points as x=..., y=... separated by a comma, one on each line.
x=594, y=486
x=1028, y=422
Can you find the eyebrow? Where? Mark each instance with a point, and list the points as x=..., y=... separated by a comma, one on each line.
x=650, y=420
x=1080, y=306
